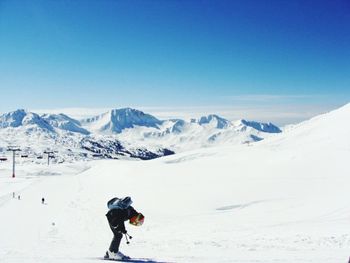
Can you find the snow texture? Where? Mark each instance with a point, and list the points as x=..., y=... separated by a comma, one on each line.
x=284, y=199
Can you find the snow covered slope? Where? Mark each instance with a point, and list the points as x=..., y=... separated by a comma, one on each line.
x=284, y=199
x=331, y=129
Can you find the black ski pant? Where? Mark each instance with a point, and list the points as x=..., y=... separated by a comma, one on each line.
x=114, y=247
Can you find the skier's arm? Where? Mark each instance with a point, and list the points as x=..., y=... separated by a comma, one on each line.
x=132, y=212
x=122, y=228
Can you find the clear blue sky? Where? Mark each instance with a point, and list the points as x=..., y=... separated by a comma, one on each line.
x=71, y=53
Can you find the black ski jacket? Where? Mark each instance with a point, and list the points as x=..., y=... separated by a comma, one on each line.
x=116, y=218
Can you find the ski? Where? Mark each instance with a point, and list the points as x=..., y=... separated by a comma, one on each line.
x=135, y=260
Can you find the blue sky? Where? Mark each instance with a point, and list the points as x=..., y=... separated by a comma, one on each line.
x=168, y=53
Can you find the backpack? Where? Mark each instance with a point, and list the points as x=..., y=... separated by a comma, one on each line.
x=119, y=203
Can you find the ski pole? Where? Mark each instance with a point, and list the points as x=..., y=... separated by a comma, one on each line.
x=127, y=239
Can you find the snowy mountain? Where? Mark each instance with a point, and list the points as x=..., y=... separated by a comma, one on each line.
x=116, y=120
x=180, y=135
x=35, y=134
x=22, y=118
x=263, y=127
x=284, y=199
x=123, y=132
x=64, y=122
x=110, y=148
x=213, y=120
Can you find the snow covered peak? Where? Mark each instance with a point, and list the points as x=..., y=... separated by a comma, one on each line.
x=117, y=120
x=21, y=118
x=64, y=122
x=213, y=120
x=260, y=126
x=12, y=119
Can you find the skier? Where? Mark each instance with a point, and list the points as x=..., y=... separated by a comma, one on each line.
x=120, y=210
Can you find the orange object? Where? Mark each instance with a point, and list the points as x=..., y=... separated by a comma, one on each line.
x=137, y=220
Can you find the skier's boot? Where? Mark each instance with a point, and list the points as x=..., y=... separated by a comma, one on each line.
x=122, y=256
x=115, y=255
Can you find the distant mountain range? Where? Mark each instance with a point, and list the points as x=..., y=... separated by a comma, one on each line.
x=121, y=133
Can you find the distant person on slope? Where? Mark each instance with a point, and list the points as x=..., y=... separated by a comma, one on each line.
x=120, y=210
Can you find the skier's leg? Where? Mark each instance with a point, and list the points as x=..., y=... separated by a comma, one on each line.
x=114, y=247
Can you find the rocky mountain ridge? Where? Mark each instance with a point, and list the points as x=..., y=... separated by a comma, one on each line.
x=122, y=133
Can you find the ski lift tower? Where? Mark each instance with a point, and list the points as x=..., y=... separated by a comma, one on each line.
x=49, y=155
x=13, y=149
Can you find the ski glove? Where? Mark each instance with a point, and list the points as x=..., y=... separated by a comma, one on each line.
x=122, y=231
